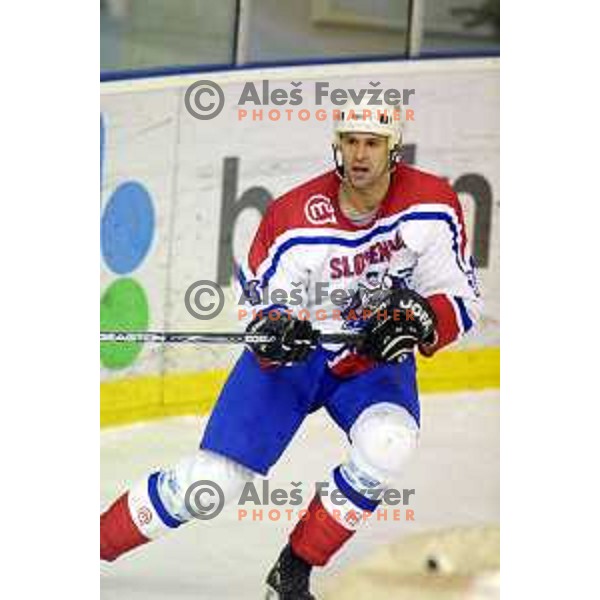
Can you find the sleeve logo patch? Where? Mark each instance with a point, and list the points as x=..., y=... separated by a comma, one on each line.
x=319, y=210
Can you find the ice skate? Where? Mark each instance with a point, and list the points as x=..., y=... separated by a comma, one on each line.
x=289, y=579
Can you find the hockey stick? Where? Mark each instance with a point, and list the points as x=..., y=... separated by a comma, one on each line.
x=211, y=337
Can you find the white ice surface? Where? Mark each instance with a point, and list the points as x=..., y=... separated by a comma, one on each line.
x=455, y=474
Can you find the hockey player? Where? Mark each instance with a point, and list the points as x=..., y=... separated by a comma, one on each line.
x=371, y=217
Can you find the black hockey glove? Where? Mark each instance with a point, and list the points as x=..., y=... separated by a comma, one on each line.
x=294, y=339
x=402, y=320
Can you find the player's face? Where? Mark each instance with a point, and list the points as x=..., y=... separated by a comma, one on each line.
x=365, y=158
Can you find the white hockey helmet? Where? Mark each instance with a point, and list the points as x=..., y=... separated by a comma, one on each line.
x=384, y=120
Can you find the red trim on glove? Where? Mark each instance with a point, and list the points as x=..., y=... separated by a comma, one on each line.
x=266, y=364
x=352, y=364
x=318, y=536
x=447, y=330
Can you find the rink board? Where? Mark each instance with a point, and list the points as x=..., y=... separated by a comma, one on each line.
x=208, y=182
x=154, y=397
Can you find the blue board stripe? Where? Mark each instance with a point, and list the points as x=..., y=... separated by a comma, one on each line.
x=174, y=70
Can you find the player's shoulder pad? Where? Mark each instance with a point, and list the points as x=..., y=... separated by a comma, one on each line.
x=308, y=205
x=414, y=186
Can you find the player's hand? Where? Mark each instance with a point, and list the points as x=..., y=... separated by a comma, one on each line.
x=294, y=339
x=402, y=320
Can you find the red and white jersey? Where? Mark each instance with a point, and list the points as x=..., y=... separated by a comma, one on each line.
x=309, y=257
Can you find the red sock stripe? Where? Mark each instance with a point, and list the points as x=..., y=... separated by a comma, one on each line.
x=318, y=536
x=118, y=533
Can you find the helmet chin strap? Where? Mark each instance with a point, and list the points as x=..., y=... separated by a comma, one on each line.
x=339, y=165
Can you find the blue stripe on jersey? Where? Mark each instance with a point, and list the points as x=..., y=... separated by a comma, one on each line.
x=241, y=277
x=355, y=497
x=164, y=515
x=282, y=308
x=467, y=323
x=332, y=240
x=245, y=296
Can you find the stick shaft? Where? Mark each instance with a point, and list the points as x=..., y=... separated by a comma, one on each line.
x=211, y=337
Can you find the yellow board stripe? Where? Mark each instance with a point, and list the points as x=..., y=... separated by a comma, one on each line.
x=153, y=397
